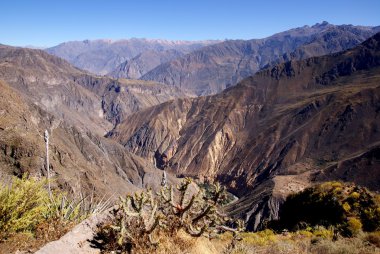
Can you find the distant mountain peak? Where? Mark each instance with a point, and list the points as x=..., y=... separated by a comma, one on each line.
x=323, y=24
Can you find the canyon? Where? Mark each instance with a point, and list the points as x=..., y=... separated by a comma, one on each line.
x=274, y=133
x=265, y=117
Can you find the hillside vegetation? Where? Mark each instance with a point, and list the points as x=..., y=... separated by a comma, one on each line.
x=30, y=216
x=346, y=207
x=332, y=217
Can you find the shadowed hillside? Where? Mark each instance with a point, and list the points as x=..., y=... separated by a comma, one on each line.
x=40, y=91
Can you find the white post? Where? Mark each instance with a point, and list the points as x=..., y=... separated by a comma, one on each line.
x=46, y=137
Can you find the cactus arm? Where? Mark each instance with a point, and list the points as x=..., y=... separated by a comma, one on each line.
x=152, y=227
x=195, y=232
x=153, y=216
x=189, y=205
x=202, y=214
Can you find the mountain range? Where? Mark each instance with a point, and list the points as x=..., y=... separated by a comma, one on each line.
x=275, y=132
x=207, y=67
x=103, y=56
x=211, y=69
x=143, y=63
x=275, y=115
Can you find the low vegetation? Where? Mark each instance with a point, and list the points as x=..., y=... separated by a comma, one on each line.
x=312, y=241
x=349, y=209
x=31, y=217
x=329, y=218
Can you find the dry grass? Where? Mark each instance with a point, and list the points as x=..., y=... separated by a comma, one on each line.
x=302, y=243
x=45, y=232
x=265, y=243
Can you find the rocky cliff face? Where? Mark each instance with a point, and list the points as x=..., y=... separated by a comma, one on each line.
x=211, y=69
x=80, y=161
x=274, y=129
x=49, y=82
x=103, y=56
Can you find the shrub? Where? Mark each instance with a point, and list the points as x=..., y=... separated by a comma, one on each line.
x=354, y=226
x=23, y=204
x=323, y=232
x=27, y=207
x=313, y=206
x=305, y=233
x=354, y=195
x=260, y=238
x=347, y=207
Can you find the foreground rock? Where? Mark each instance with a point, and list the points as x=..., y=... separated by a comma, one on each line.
x=78, y=240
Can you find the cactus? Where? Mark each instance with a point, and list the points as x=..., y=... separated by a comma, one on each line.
x=138, y=212
x=144, y=216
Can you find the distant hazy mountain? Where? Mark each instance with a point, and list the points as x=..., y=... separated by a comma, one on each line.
x=143, y=63
x=103, y=56
x=211, y=69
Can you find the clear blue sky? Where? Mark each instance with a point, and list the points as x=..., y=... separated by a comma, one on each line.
x=47, y=23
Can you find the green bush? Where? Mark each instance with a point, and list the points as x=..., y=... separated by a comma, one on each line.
x=23, y=204
x=347, y=207
x=354, y=226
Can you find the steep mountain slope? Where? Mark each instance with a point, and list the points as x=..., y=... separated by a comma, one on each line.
x=48, y=81
x=122, y=97
x=211, y=69
x=76, y=96
x=103, y=56
x=39, y=91
x=80, y=161
x=143, y=63
x=274, y=132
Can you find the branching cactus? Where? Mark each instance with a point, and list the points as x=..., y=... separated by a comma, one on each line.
x=196, y=213
x=144, y=216
x=136, y=219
